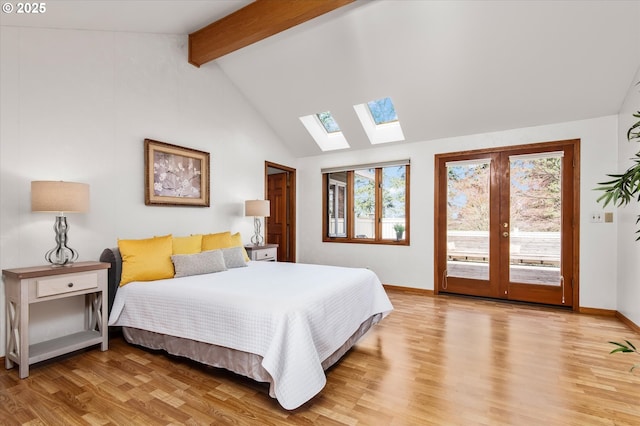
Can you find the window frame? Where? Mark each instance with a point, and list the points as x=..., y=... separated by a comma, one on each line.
x=336, y=205
x=349, y=203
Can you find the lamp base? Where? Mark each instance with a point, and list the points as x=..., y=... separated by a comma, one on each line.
x=61, y=254
x=257, y=239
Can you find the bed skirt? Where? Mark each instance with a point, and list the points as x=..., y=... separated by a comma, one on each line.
x=239, y=362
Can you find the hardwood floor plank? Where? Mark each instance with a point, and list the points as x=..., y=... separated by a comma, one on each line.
x=441, y=360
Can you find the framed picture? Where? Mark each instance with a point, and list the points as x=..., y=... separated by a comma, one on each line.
x=174, y=175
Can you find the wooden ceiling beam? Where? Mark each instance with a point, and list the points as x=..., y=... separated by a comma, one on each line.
x=252, y=23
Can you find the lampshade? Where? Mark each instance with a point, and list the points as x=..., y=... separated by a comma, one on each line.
x=258, y=208
x=59, y=196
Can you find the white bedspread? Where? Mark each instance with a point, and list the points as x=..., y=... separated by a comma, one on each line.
x=293, y=315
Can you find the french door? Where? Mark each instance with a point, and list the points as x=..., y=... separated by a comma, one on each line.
x=506, y=223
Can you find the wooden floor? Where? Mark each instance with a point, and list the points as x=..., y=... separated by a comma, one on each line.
x=442, y=360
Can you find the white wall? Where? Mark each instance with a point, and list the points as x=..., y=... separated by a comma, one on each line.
x=628, y=248
x=77, y=105
x=413, y=266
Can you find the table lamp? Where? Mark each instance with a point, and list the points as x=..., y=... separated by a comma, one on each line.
x=257, y=209
x=60, y=197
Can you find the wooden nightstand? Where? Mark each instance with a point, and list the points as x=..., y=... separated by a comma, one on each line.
x=38, y=284
x=266, y=252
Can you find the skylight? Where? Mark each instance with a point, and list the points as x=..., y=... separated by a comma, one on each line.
x=382, y=111
x=380, y=121
x=325, y=131
x=328, y=122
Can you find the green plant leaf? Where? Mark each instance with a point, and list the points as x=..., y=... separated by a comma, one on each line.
x=619, y=350
x=625, y=348
x=619, y=344
x=625, y=187
x=622, y=347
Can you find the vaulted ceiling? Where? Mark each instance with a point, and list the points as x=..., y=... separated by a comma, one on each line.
x=451, y=67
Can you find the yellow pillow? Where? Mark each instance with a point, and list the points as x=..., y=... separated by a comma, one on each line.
x=236, y=241
x=187, y=245
x=216, y=241
x=146, y=260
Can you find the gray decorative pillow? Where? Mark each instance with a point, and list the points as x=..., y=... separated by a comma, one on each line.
x=199, y=263
x=234, y=257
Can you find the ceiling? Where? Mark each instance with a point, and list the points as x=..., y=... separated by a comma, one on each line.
x=452, y=68
x=140, y=16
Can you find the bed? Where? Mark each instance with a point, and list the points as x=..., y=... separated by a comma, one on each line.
x=275, y=322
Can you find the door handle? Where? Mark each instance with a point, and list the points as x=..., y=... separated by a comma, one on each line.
x=505, y=234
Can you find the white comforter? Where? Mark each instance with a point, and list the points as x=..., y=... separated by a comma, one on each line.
x=293, y=315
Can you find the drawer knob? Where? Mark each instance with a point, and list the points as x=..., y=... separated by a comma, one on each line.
x=70, y=285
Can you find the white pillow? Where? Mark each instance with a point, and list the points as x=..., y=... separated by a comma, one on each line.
x=198, y=263
x=234, y=257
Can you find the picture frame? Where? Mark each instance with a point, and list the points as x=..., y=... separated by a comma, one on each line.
x=175, y=175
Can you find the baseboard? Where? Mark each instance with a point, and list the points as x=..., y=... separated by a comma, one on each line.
x=586, y=311
x=611, y=313
x=421, y=291
x=598, y=311
x=632, y=325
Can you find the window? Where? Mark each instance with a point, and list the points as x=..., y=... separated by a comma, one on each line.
x=364, y=202
x=325, y=131
x=328, y=122
x=367, y=204
x=380, y=121
x=394, y=194
x=382, y=111
x=337, y=204
x=378, y=118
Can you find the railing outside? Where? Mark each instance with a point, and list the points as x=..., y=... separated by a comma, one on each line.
x=365, y=227
x=526, y=247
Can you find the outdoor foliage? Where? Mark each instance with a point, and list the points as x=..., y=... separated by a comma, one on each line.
x=535, y=195
x=364, y=194
x=328, y=122
x=382, y=111
x=468, y=197
x=393, y=192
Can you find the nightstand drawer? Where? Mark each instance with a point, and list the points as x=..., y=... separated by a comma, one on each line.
x=264, y=254
x=267, y=252
x=65, y=284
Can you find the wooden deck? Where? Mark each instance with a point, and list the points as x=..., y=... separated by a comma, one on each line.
x=526, y=274
x=535, y=256
x=527, y=248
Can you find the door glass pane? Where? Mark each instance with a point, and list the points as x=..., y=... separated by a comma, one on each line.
x=393, y=199
x=468, y=219
x=536, y=219
x=364, y=188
